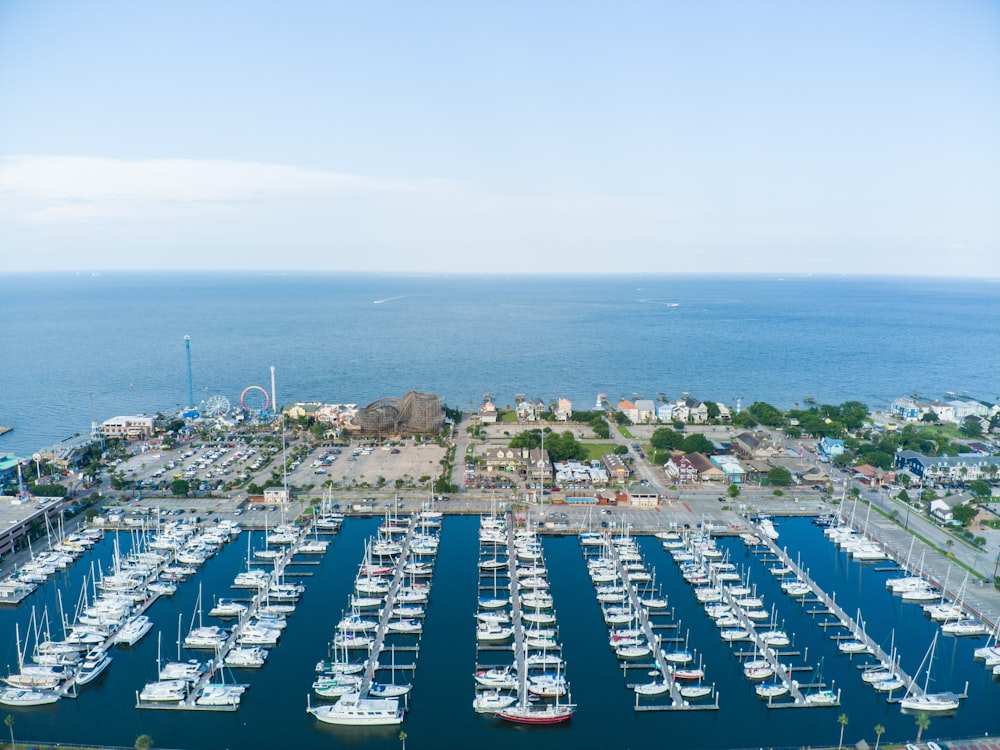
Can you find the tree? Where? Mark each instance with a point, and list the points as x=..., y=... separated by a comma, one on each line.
x=733, y=490
x=713, y=409
x=971, y=427
x=904, y=496
x=766, y=414
x=929, y=417
x=964, y=514
x=779, y=475
x=402, y=738
x=980, y=488
x=180, y=487
x=9, y=721
x=923, y=721
x=143, y=742
x=842, y=720
x=697, y=443
x=664, y=438
x=879, y=731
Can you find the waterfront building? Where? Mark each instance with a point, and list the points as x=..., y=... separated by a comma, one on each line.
x=488, y=413
x=645, y=410
x=629, y=409
x=128, y=428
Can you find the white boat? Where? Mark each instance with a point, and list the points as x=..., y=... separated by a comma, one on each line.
x=164, y=691
x=657, y=687
x=227, y=608
x=220, y=695
x=353, y=710
x=823, y=698
x=491, y=701
x=22, y=697
x=504, y=678
x=767, y=528
x=390, y=690
x=133, y=630
x=334, y=686
x=692, y=692
x=769, y=690
x=928, y=702
x=489, y=632
x=93, y=664
x=969, y=627
x=246, y=657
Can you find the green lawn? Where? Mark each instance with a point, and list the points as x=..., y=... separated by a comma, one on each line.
x=597, y=451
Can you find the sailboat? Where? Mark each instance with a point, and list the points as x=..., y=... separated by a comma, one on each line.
x=928, y=702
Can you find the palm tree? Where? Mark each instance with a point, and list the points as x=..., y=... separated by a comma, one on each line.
x=402, y=738
x=923, y=721
x=879, y=731
x=842, y=720
x=143, y=742
x=9, y=721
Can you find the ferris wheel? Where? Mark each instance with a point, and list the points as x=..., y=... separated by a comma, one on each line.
x=216, y=406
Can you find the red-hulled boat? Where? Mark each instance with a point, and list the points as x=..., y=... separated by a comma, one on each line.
x=551, y=713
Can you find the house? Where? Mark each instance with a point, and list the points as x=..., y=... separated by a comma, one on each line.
x=616, y=468
x=802, y=471
x=629, y=409
x=724, y=414
x=831, y=447
x=913, y=409
x=665, y=412
x=487, y=413
x=645, y=410
x=707, y=471
x=872, y=476
x=498, y=458
x=697, y=412
x=731, y=467
x=128, y=428
x=564, y=409
x=755, y=445
x=680, y=470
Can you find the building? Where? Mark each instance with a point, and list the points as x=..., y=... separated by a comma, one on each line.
x=575, y=473
x=707, y=471
x=756, y=445
x=629, y=409
x=642, y=497
x=731, y=467
x=564, y=409
x=831, y=447
x=616, y=468
x=498, y=458
x=488, y=413
x=645, y=410
x=277, y=496
x=680, y=470
x=128, y=428
x=949, y=469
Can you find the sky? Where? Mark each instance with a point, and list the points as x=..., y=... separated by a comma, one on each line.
x=837, y=136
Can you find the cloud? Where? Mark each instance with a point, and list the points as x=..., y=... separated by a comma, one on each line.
x=53, y=189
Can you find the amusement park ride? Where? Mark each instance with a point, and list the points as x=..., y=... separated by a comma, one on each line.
x=259, y=404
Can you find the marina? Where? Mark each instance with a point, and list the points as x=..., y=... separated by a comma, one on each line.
x=679, y=627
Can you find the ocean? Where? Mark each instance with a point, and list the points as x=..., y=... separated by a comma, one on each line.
x=83, y=347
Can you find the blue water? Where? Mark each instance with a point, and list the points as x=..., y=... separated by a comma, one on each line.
x=273, y=712
x=115, y=341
